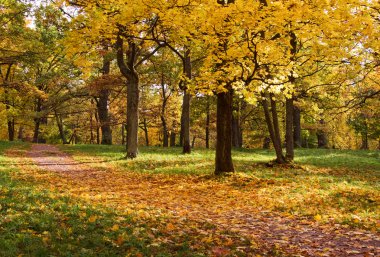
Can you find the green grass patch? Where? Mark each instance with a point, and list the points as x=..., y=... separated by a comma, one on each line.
x=38, y=222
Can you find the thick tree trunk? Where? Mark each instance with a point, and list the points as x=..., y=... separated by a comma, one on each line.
x=58, y=118
x=289, y=106
x=129, y=72
x=273, y=128
x=321, y=136
x=223, y=158
x=172, y=138
x=297, y=127
x=208, y=123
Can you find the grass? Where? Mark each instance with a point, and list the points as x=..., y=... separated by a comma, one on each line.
x=330, y=186
x=35, y=221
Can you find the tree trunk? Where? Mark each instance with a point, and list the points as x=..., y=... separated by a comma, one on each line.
x=102, y=105
x=223, y=158
x=185, y=119
x=91, y=129
x=165, y=141
x=289, y=106
x=266, y=143
x=11, y=129
x=11, y=121
x=36, y=130
x=297, y=127
x=122, y=134
x=165, y=98
x=208, y=123
x=182, y=129
x=20, y=133
x=321, y=136
x=129, y=72
x=172, y=138
x=237, y=141
x=37, y=121
x=364, y=135
x=60, y=127
x=186, y=122
x=193, y=142
x=133, y=115
x=145, y=128
x=273, y=127
x=97, y=129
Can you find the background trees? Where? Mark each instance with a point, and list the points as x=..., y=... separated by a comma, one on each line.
x=292, y=74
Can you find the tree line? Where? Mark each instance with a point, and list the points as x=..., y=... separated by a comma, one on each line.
x=217, y=74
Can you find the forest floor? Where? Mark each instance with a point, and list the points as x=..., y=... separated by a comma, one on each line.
x=195, y=215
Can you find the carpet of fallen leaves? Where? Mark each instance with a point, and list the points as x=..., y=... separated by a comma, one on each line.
x=211, y=212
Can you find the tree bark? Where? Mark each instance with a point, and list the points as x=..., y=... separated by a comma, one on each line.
x=91, y=128
x=58, y=118
x=133, y=115
x=266, y=143
x=186, y=104
x=321, y=136
x=182, y=130
x=97, y=129
x=297, y=127
x=289, y=106
x=10, y=120
x=165, y=140
x=273, y=127
x=172, y=138
x=364, y=135
x=129, y=72
x=11, y=130
x=208, y=123
x=102, y=106
x=223, y=157
x=237, y=141
x=37, y=121
x=145, y=128
x=20, y=133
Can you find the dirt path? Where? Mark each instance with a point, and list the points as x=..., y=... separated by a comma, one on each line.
x=204, y=201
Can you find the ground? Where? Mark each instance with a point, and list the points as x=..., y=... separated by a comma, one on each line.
x=238, y=215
